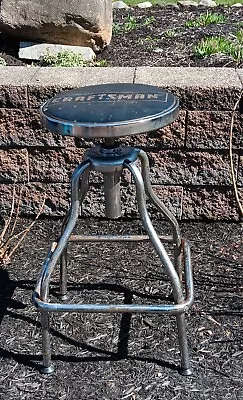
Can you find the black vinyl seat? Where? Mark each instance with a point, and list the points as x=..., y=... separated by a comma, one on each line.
x=109, y=111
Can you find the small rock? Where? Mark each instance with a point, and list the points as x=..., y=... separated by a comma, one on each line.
x=207, y=3
x=50, y=21
x=119, y=4
x=237, y=5
x=188, y=3
x=145, y=4
x=33, y=51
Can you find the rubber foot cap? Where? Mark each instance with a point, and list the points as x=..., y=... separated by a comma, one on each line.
x=185, y=371
x=63, y=297
x=47, y=370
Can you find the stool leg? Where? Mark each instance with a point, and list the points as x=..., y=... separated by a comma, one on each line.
x=47, y=367
x=182, y=335
x=84, y=187
x=72, y=218
x=164, y=210
x=63, y=276
x=169, y=267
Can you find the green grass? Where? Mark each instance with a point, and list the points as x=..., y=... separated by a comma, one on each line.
x=205, y=19
x=228, y=2
x=171, y=33
x=62, y=59
x=162, y=2
x=2, y=62
x=130, y=23
x=149, y=21
x=220, y=45
x=68, y=59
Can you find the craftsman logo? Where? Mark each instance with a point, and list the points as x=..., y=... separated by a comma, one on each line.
x=109, y=97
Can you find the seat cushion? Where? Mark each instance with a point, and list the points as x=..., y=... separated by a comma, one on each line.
x=110, y=110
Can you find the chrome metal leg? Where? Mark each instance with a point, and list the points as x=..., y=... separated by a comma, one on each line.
x=47, y=367
x=63, y=275
x=164, y=210
x=169, y=267
x=182, y=334
x=84, y=186
x=108, y=166
x=52, y=261
x=112, y=193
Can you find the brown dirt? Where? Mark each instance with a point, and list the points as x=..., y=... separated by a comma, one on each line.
x=149, y=45
x=125, y=357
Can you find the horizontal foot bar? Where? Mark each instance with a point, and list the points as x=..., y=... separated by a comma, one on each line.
x=116, y=238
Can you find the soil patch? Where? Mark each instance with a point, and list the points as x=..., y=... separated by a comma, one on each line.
x=157, y=37
x=125, y=357
x=151, y=45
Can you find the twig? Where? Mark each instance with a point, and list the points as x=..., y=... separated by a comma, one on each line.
x=231, y=154
x=6, y=226
x=27, y=229
x=5, y=251
x=17, y=211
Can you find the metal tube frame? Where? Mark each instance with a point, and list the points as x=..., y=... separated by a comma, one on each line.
x=173, y=269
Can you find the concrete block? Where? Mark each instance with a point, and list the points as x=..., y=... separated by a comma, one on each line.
x=33, y=194
x=197, y=88
x=119, y=5
x=188, y=76
x=54, y=166
x=14, y=165
x=34, y=51
x=145, y=4
x=212, y=203
x=22, y=127
x=17, y=76
x=49, y=81
x=190, y=168
x=240, y=172
x=171, y=136
x=210, y=130
x=13, y=86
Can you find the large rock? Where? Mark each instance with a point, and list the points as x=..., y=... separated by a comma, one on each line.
x=73, y=22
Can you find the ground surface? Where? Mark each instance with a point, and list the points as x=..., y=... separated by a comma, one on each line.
x=113, y=357
x=149, y=43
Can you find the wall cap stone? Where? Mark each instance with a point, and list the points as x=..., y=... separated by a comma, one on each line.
x=159, y=76
x=189, y=77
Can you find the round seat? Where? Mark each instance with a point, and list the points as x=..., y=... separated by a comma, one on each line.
x=109, y=110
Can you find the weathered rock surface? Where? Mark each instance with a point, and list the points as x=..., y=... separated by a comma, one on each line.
x=145, y=4
x=73, y=22
x=33, y=51
x=119, y=5
x=188, y=3
x=207, y=3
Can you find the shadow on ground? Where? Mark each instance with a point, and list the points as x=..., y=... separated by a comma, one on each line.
x=105, y=356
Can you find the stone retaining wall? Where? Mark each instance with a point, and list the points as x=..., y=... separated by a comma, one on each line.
x=189, y=159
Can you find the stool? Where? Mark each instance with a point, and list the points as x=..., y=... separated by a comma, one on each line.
x=112, y=111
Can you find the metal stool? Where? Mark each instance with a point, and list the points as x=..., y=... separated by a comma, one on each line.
x=112, y=111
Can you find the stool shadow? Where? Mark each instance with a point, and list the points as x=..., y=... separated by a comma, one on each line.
x=34, y=361
x=115, y=288
x=7, y=288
